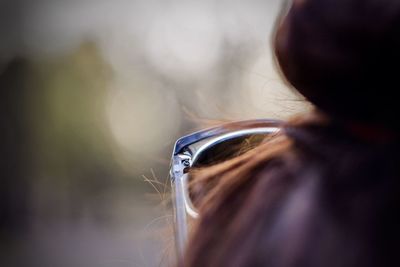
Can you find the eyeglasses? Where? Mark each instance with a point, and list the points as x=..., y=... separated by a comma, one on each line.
x=202, y=149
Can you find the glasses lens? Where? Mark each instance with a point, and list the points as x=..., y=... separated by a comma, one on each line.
x=215, y=154
x=227, y=149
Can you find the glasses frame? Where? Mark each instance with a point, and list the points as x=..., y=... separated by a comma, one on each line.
x=187, y=150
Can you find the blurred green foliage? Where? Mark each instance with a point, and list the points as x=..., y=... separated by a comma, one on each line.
x=65, y=163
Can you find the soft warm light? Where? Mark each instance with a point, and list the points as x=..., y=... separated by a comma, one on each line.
x=184, y=40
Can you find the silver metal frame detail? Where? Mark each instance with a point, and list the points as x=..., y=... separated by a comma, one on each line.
x=186, y=152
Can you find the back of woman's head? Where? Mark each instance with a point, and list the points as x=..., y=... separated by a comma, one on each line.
x=344, y=56
x=309, y=198
x=319, y=193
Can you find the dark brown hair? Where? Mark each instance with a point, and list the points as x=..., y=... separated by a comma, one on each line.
x=343, y=55
x=325, y=191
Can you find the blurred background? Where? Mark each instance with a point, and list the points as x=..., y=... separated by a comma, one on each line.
x=93, y=95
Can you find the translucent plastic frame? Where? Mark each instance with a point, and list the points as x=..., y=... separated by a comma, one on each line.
x=188, y=150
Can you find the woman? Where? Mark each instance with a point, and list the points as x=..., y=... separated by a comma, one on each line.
x=324, y=192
